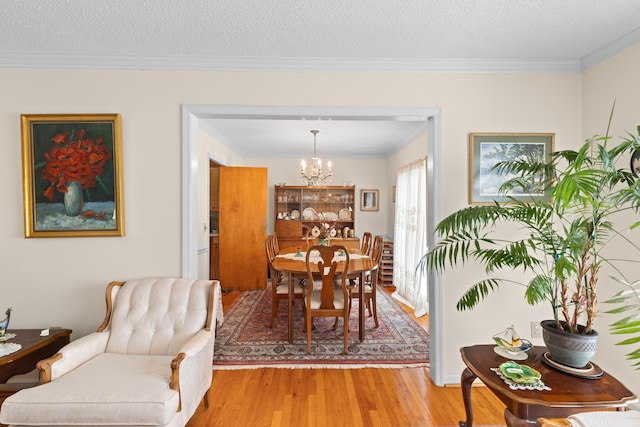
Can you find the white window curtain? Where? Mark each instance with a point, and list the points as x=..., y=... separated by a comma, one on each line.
x=410, y=236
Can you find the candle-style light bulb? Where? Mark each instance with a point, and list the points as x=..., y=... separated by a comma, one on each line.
x=303, y=164
x=329, y=165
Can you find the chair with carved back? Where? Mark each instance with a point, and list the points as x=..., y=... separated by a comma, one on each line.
x=370, y=282
x=365, y=249
x=279, y=282
x=275, y=244
x=327, y=300
x=309, y=239
x=365, y=245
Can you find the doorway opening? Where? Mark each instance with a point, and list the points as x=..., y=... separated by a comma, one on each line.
x=191, y=114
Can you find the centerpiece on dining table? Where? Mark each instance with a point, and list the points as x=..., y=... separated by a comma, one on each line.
x=327, y=230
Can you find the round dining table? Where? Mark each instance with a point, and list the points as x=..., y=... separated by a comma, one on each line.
x=287, y=263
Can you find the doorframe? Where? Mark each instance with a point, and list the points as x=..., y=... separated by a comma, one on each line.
x=191, y=114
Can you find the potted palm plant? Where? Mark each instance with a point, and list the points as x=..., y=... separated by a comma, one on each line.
x=561, y=245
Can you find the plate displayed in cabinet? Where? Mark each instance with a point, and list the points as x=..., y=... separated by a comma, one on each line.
x=295, y=214
x=344, y=213
x=309, y=214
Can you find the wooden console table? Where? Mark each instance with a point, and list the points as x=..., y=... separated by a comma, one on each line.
x=568, y=395
x=34, y=348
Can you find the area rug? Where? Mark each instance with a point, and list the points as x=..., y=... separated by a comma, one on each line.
x=245, y=341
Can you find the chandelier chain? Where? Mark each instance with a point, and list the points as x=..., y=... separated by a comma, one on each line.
x=314, y=175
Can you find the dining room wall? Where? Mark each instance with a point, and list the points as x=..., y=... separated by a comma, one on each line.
x=61, y=281
x=615, y=81
x=363, y=173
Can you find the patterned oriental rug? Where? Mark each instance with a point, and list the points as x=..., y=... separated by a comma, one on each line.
x=245, y=341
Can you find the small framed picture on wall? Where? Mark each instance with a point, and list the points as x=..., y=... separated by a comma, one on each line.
x=369, y=200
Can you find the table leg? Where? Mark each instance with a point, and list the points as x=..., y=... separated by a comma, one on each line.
x=290, y=306
x=466, y=380
x=361, y=305
x=512, y=421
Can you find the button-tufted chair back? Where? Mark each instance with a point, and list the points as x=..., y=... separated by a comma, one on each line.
x=157, y=316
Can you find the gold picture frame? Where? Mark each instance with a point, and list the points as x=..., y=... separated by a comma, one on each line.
x=369, y=200
x=486, y=149
x=72, y=175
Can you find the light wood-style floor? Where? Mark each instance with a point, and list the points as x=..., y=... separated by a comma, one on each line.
x=338, y=397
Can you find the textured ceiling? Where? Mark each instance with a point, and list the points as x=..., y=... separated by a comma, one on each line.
x=313, y=33
x=380, y=35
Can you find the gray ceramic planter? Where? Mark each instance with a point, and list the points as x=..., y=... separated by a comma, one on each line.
x=575, y=350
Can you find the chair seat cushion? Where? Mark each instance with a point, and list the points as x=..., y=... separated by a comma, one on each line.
x=109, y=389
x=316, y=295
x=355, y=290
x=283, y=288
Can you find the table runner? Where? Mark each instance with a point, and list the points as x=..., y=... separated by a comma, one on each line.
x=315, y=257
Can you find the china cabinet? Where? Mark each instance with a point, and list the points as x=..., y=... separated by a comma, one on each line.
x=300, y=211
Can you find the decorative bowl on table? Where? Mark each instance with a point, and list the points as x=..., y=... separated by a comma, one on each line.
x=510, y=345
x=521, y=374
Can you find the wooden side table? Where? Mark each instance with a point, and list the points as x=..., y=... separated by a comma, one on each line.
x=568, y=395
x=34, y=348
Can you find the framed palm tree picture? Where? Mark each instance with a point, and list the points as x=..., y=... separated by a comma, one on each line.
x=486, y=150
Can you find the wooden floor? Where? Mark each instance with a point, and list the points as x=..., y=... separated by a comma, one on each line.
x=338, y=397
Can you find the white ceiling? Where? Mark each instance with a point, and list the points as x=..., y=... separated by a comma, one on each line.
x=380, y=35
x=337, y=138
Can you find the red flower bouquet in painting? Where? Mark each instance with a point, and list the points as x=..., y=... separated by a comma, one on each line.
x=81, y=160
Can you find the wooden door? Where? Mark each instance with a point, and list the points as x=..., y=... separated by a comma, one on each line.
x=243, y=228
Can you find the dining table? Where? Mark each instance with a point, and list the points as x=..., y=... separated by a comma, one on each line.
x=292, y=262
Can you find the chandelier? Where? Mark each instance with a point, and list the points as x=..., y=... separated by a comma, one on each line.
x=314, y=175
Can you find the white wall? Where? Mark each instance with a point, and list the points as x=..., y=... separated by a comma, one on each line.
x=614, y=80
x=363, y=173
x=61, y=281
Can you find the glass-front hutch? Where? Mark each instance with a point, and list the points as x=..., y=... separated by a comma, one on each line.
x=302, y=212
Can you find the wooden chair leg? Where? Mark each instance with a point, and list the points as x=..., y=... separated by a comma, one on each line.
x=206, y=398
x=304, y=315
x=346, y=334
x=274, y=310
x=309, y=323
x=375, y=310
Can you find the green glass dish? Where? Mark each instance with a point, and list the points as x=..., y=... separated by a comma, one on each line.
x=521, y=374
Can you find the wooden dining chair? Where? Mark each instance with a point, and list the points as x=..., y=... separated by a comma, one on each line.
x=279, y=282
x=327, y=300
x=275, y=244
x=365, y=245
x=370, y=282
x=365, y=249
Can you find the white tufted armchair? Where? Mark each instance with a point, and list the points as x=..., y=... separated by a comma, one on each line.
x=148, y=364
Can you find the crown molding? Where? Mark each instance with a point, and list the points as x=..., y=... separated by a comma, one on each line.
x=158, y=62
x=612, y=49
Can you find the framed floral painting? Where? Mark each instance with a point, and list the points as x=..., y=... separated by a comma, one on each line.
x=72, y=175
